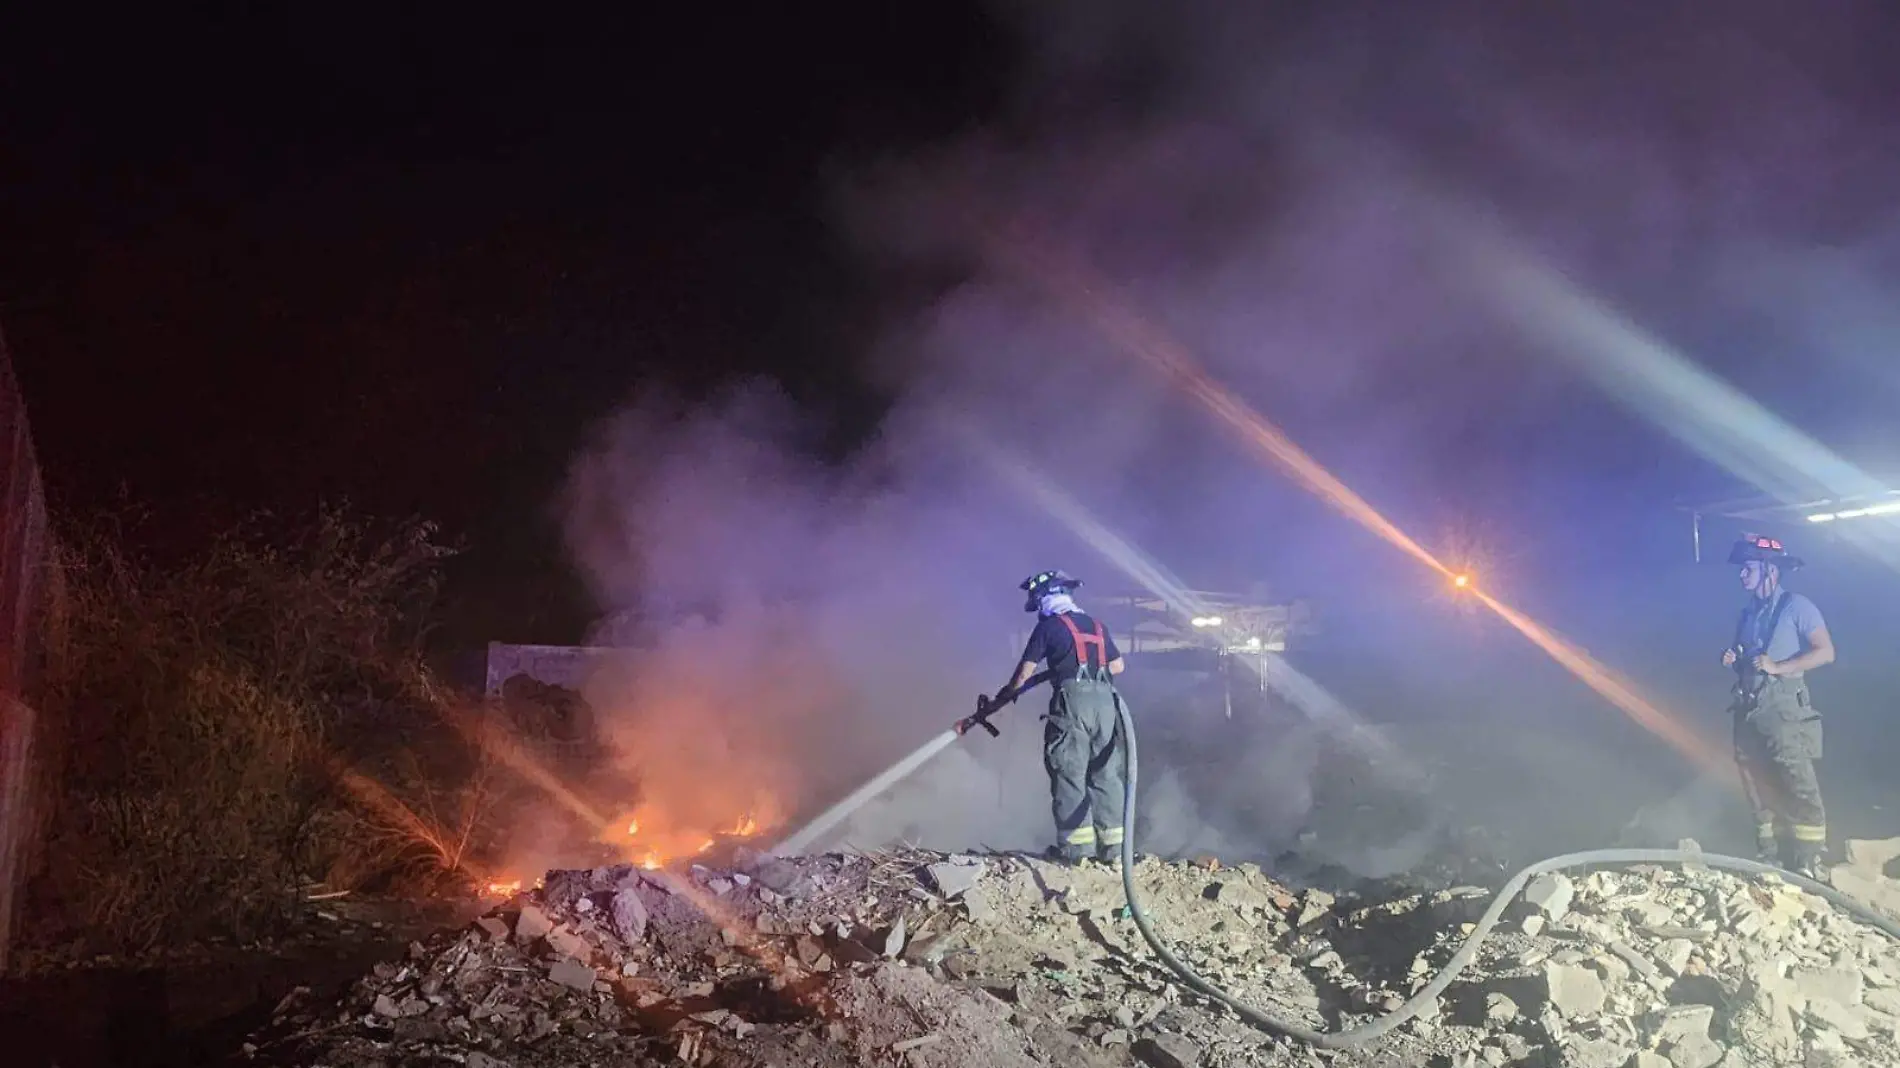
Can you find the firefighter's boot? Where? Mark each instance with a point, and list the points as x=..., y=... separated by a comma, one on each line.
x=1071, y=855
x=1767, y=846
x=1808, y=861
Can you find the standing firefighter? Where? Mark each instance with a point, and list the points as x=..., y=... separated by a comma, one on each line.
x=1778, y=640
x=1082, y=742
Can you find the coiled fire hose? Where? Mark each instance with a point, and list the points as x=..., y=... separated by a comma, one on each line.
x=1428, y=995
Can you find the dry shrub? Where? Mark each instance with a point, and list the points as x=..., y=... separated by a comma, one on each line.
x=209, y=705
x=426, y=814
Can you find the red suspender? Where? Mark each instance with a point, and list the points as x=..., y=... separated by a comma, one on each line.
x=1083, y=641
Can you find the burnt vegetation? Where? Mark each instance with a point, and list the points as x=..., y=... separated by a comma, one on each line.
x=246, y=720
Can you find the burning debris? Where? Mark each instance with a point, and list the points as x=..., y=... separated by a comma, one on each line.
x=650, y=844
x=924, y=959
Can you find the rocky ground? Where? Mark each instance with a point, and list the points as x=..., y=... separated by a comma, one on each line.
x=918, y=960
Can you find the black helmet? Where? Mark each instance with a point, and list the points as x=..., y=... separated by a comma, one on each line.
x=1767, y=550
x=1043, y=583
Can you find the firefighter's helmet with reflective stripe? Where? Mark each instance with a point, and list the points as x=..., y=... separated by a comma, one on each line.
x=1043, y=583
x=1764, y=549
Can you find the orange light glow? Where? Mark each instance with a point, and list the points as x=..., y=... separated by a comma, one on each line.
x=656, y=835
x=1461, y=581
x=513, y=886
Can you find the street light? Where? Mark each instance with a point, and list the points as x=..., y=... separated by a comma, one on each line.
x=1887, y=508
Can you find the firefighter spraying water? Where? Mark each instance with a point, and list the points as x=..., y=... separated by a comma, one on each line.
x=1082, y=740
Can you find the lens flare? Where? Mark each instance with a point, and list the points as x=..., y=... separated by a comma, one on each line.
x=1092, y=298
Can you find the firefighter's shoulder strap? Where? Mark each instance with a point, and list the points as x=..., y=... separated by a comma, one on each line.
x=1751, y=621
x=1097, y=639
x=1748, y=681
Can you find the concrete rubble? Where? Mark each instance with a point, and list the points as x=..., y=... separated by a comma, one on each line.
x=919, y=959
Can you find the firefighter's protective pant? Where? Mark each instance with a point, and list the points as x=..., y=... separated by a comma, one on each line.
x=1082, y=748
x=1776, y=745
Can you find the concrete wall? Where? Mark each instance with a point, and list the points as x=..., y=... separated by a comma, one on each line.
x=566, y=666
x=27, y=589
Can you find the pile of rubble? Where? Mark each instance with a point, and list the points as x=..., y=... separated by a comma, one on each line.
x=920, y=959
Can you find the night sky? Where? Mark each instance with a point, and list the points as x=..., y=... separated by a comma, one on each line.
x=259, y=259
x=254, y=259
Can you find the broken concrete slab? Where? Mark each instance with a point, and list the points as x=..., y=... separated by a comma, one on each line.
x=892, y=943
x=1315, y=905
x=533, y=923
x=628, y=913
x=1499, y=1010
x=568, y=944
x=1573, y=991
x=953, y=880
x=1551, y=894
x=1681, y=1024
x=1844, y=1020
x=1695, y=1051
x=976, y=905
x=1827, y=984
x=1874, y=855
x=572, y=973
x=1673, y=956
x=1765, y=1022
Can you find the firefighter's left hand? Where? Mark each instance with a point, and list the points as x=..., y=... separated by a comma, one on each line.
x=1767, y=666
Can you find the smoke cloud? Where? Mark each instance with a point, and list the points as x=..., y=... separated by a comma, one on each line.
x=1271, y=190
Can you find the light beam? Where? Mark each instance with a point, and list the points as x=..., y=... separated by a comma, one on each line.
x=1091, y=297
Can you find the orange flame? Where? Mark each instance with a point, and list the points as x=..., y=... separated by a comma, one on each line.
x=651, y=838
x=513, y=886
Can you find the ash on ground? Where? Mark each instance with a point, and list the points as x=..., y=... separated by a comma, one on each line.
x=925, y=959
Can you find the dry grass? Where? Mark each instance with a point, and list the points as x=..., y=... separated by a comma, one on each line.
x=217, y=711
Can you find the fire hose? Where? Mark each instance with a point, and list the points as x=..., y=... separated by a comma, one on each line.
x=1427, y=996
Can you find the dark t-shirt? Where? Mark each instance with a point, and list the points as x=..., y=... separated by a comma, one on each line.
x=1051, y=641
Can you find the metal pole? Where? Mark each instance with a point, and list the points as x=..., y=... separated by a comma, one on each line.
x=1697, y=527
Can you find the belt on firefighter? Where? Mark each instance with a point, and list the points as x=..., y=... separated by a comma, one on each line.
x=1773, y=682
